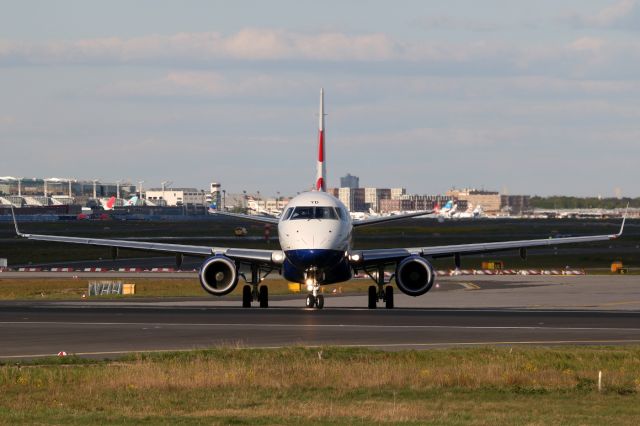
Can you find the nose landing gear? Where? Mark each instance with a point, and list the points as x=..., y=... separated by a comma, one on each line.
x=315, y=301
x=313, y=298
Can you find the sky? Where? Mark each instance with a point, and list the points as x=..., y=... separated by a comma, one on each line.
x=521, y=97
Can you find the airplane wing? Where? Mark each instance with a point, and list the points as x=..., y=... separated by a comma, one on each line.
x=239, y=254
x=364, y=257
x=376, y=220
x=256, y=218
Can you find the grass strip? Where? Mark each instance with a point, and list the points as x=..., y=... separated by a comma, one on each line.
x=519, y=385
x=74, y=288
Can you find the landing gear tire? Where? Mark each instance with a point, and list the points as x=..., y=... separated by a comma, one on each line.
x=320, y=301
x=388, y=296
x=373, y=297
x=264, y=296
x=311, y=301
x=246, y=296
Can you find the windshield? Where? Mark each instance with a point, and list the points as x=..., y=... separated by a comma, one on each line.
x=313, y=213
x=288, y=213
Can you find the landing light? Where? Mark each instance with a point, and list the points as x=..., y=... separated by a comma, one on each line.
x=355, y=257
x=277, y=257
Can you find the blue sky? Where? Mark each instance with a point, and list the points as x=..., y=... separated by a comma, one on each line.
x=525, y=97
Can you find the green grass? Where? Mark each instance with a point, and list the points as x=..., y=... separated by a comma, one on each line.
x=329, y=386
x=74, y=288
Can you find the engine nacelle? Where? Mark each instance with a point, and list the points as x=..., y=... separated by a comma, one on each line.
x=218, y=275
x=414, y=276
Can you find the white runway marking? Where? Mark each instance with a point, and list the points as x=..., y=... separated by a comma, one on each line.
x=212, y=306
x=363, y=326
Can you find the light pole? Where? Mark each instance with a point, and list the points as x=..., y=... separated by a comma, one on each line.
x=140, y=189
x=164, y=185
x=224, y=200
x=95, y=181
x=244, y=200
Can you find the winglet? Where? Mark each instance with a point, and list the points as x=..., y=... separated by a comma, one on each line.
x=624, y=219
x=15, y=222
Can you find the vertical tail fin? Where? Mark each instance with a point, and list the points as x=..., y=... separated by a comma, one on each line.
x=321, y=170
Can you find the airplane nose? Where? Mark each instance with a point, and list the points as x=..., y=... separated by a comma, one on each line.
x=319, y=258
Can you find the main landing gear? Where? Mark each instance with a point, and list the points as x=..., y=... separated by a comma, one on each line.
x=255, y=291
x=383, y=293
x=379, y=292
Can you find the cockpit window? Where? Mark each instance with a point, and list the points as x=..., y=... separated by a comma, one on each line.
x=325, y=213
x=312, y=213
x=287, y=214
x=302, y=213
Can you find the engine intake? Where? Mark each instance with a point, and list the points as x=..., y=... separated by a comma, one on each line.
x=218, y=275
x=414, y=276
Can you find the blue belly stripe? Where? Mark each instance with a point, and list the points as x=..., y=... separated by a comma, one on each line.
x=320, y=258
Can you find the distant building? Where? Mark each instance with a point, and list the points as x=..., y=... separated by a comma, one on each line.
x=216, y=195
x=349, y=181
x=177, y=196
x=372, y=197
x=417, y=202
x=515, y=204
x=67, y=187
x=490, y=201
x=353, y=198
x=429, y=202
x=397, y=205
x=397, y=193
x=334, y=192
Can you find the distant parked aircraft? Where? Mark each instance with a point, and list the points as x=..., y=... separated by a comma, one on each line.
x=108, y=204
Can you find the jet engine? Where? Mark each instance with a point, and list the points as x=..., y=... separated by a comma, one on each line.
x=218, y=275
x=414, y=276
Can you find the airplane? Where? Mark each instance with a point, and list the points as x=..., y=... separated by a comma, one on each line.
x=254, y=206
x=446, y=211
x=111, y=202
x=315, y=233
x=108, y=204
x=131, y=201
x=470, y=213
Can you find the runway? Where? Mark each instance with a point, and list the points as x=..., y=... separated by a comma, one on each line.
x=34, y=330
x=461, y=311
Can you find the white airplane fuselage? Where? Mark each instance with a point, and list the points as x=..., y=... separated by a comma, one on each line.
x=315, y=234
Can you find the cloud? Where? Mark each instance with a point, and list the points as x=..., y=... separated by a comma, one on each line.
x=356, y=88
x=620, y=14
x=248, y=45
x=443, y=22
x=591, y=44
x=209, y=84
x=458, y=137
x=245, y=45
x=7, y=120
x=369, y=53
